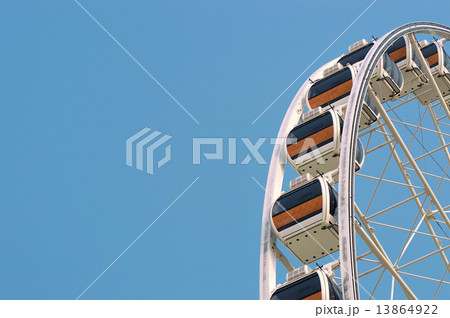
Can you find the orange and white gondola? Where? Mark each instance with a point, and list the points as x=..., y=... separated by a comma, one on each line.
x=402, y=53
x=357, y=53
x=439, y=63
x=335, y=87
x=315, y=285
x=305, y=219
x=386, y=80
x=333, y=90
x=314, y=146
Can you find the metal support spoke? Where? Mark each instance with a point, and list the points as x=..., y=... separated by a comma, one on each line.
x=423, y=257
x=420, y=127
x=408, y=230
x=364, y=255
x=283, y=259
x=437, y=221
x=379, y=146
x=370, y=271
x=424, y=277
x=429, y=153
x=436, y=211
x=378, y=282
x=395, y=205
x=386, y=180
x=429, y=174
x=440, y=284
x=383, y=133
x=368, y=141
x=370, y=260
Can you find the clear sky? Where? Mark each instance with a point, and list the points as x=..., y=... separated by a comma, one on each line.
x=71, y=96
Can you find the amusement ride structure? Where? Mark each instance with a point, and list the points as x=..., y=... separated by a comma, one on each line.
x=367, y=135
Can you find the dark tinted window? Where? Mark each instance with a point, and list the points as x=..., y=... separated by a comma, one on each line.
x=397, y=45
x=400, y=43
x=335, y=292
x=446, y=60
x=329, y=82
x=415, y=58
x=393, y=70
x=371, y=104
x=300, y=289
x=333, y=202
x=310, y=127
x=355, y=56
x=297, y=196
x=359, y=152
x=429, y=50
x=341, y=123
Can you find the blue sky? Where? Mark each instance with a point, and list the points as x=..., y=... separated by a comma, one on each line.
x=71, y=97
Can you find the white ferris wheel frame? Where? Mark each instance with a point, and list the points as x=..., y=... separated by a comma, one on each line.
x=347, y=251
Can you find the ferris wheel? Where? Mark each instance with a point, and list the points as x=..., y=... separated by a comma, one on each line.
x=366, y=140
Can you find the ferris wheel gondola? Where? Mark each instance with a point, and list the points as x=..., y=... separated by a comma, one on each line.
x=333, y=89
x=315, y=285
x=314, y=146
x=439, y=64
x=304, y=219
x=402, y=53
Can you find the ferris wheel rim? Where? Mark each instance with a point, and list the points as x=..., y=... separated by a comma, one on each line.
x=348, y=149
x=276, y=169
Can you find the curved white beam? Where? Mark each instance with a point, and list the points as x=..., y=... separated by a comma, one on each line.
x=267, y=264
x=348, y=148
